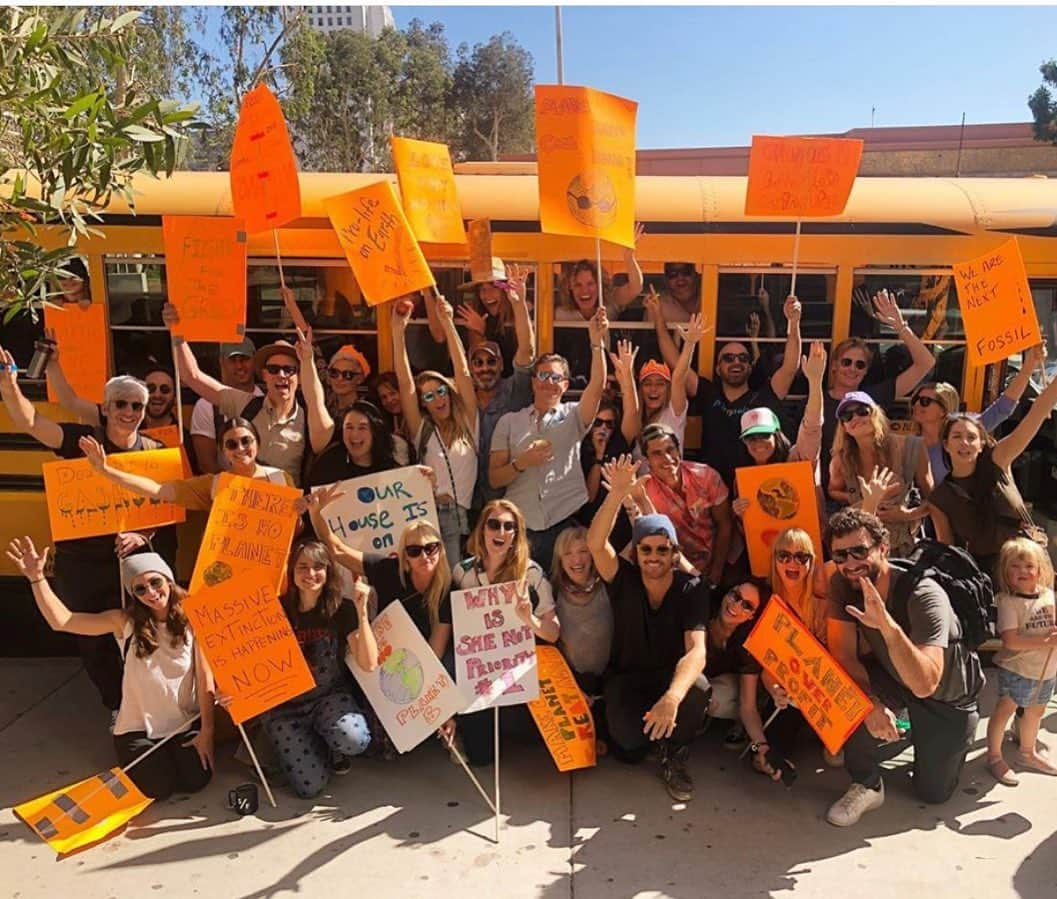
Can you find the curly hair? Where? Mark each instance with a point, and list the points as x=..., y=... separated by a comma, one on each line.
x=144, y=627
x=849, y=520
x=605, y=285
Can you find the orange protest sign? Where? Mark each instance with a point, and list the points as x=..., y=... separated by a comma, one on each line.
x=801, y=177
x=781, y=496
x=84, y=503
x=586, y=144
x=996, y=303
x=166, y=435
x=427, y=188
x=479, y=237
x=378, y=243
x=82, y=337
x=251, y=524
x=249, y=643
x=265, y=191
x=562, y=714
x=85, y=812
x=830, y=701
x=205, y=275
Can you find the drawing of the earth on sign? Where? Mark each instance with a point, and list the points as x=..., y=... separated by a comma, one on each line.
x=778, y=499
x=217, y=573
x=592, y=200
x=401, y=677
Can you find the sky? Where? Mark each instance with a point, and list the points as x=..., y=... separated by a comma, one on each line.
x=714, y=76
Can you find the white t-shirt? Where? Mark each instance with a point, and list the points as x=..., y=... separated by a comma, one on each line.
x=203, y=424
x=462, y=457
x=157, y=692
x=1029, y=618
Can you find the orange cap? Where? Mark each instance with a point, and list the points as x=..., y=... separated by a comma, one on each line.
x=653, y=367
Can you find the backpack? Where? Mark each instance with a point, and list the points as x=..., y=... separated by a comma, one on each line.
x=968, y=588
x=253, y=408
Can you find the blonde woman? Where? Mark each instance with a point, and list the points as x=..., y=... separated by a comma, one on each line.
x=580, y=298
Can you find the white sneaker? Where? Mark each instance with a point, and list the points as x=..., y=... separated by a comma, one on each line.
x=854, y=804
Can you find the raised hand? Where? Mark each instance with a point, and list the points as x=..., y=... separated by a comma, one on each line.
x=93, y=449
x=320, y=499
x=306, y=355
x=695, y=329
x=8, y=370
x=403, y=309
x=792, y=309
x=624, y=361
x=886, y=311
x=598, y=326
x=523, y=606
x=516, y=290
x=652, y=302
x=24, y=554
x=618, y=475
x=752, y=325
x=882, y=484
x=471, y=319
x=444, y=311
x=640, y=229
x=170, y=316
x=361, y=593
x=814, y=363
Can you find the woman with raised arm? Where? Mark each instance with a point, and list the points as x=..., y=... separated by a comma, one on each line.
x=580, y=298
x=166, y=682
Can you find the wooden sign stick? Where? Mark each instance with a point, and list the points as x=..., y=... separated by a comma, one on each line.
x=496, y=709
x=450, y=744
x=291, y=306
x=176, y=377
x=796, y=256
x=257, y=765
x=774, y=715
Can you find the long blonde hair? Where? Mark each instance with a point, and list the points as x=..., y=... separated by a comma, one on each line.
x=847, y=450
x=810, y=608
x=459, y=425
x=1023, y=548
x=440, y=583
x=517, y=557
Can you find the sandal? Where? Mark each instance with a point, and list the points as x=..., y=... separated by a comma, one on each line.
x=1001, y=772
x=1037, y=763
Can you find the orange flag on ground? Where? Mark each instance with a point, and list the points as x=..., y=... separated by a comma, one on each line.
x=562, y=714
x=265, y=191
x=996, y=304
x=83, y=338
x=378, y=242
x=249, y=643
x=801, y=177
x=427, y=188
x=585, y=143
x=205, y=275
x=85, y=812
x=781, y=496
x=830, y=701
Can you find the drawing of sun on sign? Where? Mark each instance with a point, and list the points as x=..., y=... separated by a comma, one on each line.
x=592, y=200
x=401, y=677
x=778, y=498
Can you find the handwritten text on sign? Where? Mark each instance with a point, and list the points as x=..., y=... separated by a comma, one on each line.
x=495, y=651
x=249, y=643
x=409, y=691
x=83, y=337
x=801, y=177
x=561, y=713
x=821, y=689
x=996, y=304
x=84, y=503
x=427, y=187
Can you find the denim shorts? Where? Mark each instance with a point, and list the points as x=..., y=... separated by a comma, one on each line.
x=1020, y=689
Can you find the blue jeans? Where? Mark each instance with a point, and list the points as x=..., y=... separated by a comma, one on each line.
x=454, y=524
x=541, y=543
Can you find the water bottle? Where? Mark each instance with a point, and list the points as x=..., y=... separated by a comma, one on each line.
x=43, y=350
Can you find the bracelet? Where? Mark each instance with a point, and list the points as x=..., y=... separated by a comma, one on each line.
x=599, y=346
x=513, y=464
x=38, y=580
x=755, y=747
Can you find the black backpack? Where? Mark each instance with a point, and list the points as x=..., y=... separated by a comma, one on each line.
x=968, y=588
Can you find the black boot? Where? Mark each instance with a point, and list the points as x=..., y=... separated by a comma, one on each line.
x=675, y=772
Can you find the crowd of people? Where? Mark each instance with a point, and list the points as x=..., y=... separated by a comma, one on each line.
x=630, y=557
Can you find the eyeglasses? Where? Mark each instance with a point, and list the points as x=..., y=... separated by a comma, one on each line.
x=155, y=584
x=742, y=601
x=647, y=550
x=163, y=389
x=860, y=552
x=494, y=524
x=784, y=557
x=234, y=443
x=414, y=550
x=430, y=395
x=555, y=377
x=849, y=412
x=859, y=364
x=604, y=423
x=484, y=362
x=286, y=370
x=135, y=405
x=348, y=374
x=734, y=357
x=924, y=401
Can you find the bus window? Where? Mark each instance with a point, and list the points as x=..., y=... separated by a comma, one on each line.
x=1044, y=293
x=135, y=293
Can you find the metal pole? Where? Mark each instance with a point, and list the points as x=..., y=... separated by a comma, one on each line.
x=558, y=41
x=496, y=738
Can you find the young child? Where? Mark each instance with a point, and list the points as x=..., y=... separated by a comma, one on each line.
x=1029, y=637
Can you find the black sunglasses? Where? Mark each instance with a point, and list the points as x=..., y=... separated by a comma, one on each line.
x=848, y=363
x=742, y=601
x=679, y=273
x=233, y=443
x=784, y=557
x=860, y=552
x=604, y=423
x=163, y=389
x=155, y=584
x=135, y=405
x=415, y=550
x=734, y=357
x=349, y=374
x=924, y=401
x=494, y=524
x=647, y=550
x=287, y=370
x=484, y=361
x=849, y=412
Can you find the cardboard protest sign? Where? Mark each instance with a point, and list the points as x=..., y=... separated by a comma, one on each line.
x=249, y=643
x=205, y=275
x=830, y=701
x=782, y=496
x=801, y=177
x=85, y=812
x=586, y=162
x=84, y=503
x=427, y=189
x=562, y=714
x=251, y=525
x=996, y=304
x=265, y=191
x=410, y=691
x=82, y=336
x=479, y=236
x=495, y=651
x=378, y=242
x=166, y=435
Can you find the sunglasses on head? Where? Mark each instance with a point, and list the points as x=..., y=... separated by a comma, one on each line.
x=414, y=550
x=555, y=377
x=155, y=584
x=348, y=374
x=430, y=395
x=850, y=412
x=234, y=443
x=924, y=401
x=494, y=524
x=740, y=600
x=484, y=361
x=287, y=370
x=735, y=357
x=647, y=550
x=135, y=405
x=604, y=423
x=163, y=389
x=859, y=364
x=784, y=557
x=860, y=552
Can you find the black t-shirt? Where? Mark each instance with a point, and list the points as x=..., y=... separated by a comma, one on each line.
x=647, y=640
x=323, y=641
x=383, y=574
x=333, y=465
x=883, y=393
x=733, y=658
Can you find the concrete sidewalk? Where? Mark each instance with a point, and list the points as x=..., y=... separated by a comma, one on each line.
x=416, y=826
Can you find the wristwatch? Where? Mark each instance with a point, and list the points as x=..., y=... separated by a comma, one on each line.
x=755, y=747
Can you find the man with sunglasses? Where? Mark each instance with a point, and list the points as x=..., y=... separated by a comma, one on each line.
x=919, y=668
x=236, y=370
x=680, y=298
x=660, y=619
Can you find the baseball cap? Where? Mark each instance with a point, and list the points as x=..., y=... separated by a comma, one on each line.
x=488, y=346
x=855, y=396
x=653, y=367
x=654, y=525
x=244, y=347
x=759, y=421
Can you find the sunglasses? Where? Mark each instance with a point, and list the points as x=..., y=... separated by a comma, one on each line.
x=414, y=550
x=673, y=273
x=924, y=401
x=784, y=557
x=555, y=377
x=135, y=405
x=850, y=412
x=430, y=395
x=860, y=552
x=484, y=362
x=742, y=601
x=735, y=357
x=494, y=524
x=859, y=364
x=348, y=374
x=604, y=423
x=234, y=443
x=155, y=584
x=286, y=370
x=646, y=550
x=163, y=389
